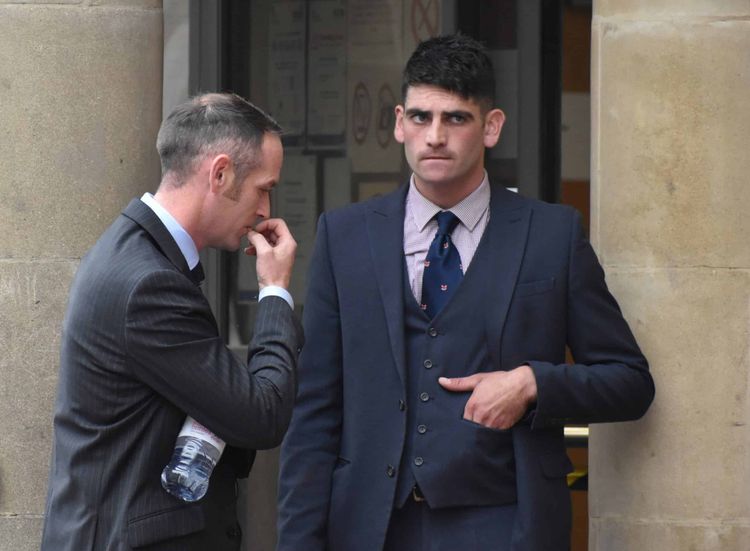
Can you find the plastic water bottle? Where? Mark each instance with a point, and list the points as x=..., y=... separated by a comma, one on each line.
x=196, y=452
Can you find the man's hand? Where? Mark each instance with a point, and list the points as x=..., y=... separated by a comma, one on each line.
x=499, y=398
x=273, y=244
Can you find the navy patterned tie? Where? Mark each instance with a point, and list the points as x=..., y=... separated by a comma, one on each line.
x=442, y=267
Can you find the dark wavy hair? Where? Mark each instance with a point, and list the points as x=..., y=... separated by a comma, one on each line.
x=456, y=63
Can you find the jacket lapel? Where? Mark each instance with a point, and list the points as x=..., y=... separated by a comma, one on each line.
x=385, y=231
x=142, y=215
x=507, y=232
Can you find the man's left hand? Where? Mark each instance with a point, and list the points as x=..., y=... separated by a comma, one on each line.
x=499, y=398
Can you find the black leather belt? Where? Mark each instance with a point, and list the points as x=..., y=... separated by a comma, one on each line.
x=416, y=494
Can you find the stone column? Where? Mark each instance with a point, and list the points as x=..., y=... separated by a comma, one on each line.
x=80, y=105
x=671, y=223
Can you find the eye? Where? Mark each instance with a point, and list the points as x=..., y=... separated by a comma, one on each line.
x=418, y=118
x=457, y=119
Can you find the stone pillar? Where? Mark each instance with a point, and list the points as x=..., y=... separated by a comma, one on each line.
x=671, y=223
x=80, y=105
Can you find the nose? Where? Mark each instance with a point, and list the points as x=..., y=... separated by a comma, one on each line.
x=264, y=206
x=436, y=133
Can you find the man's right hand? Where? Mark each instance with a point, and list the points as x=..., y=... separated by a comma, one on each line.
x=499, y=399
x=273, y=245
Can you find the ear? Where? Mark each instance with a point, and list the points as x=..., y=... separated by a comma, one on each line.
x=398, y=129
x=493, y=125
x=221, y=173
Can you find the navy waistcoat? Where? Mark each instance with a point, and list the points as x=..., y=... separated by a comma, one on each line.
x=455, y=462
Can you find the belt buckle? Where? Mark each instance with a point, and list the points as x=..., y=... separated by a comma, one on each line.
x=416, y=494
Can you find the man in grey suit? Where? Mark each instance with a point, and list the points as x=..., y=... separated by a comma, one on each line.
x=141, y=349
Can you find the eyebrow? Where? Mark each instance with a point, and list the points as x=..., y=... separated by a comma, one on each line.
x=457, y=112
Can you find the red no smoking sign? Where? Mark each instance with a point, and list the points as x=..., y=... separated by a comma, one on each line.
x=361, y=109
x=425, y=19
x=385, y=115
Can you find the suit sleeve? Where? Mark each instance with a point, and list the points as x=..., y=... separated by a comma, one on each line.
x=174, y=347
x=610, y=379
x=311, y=447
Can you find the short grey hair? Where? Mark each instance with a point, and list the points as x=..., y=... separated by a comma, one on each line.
x=210, y=124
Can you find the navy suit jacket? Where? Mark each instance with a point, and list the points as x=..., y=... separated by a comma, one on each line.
x=545, y=290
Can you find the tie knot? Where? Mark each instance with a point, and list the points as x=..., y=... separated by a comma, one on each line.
x=196, y=274
x=447, y=222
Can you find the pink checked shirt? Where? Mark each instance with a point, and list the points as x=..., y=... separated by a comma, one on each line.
x=420, y=228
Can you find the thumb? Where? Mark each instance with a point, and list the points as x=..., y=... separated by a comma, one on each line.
x=461, y=384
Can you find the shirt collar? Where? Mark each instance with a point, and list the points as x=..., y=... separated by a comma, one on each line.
x=178, y=233
x=469, y=211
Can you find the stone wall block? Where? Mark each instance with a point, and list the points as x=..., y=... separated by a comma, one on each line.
x=645, y=9
x=135, y=4
x=130, y=4
x=80, y=100
x=33, y=297
x=671, y=153
x=16, y=533
x=689, y=457
x=692, y=535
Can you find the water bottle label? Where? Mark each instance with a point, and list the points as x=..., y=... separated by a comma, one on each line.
x=193, y=428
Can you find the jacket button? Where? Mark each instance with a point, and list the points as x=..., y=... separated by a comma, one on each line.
x=421, y=429
x=390, y=471
x=418, y=461
x=432, y=332
x=427, y=363
x=401, y=405
x=234, y=532
x=424, y=396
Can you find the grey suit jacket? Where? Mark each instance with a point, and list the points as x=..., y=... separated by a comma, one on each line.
x=140, y=351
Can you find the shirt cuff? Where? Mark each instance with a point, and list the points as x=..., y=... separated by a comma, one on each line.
x=275, y=291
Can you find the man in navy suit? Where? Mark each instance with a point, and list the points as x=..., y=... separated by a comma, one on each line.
x=141, y=349
x=431, y=404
